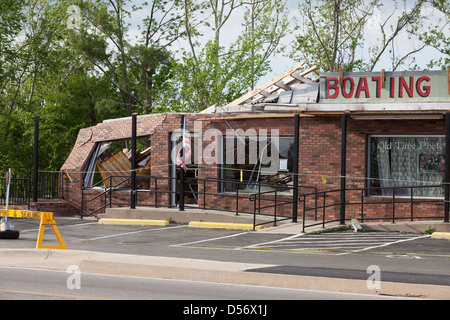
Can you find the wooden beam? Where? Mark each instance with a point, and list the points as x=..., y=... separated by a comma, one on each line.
x=301, y=78
x=303, y=73
x=292, y=79
x=264, y=93
x=282, y=85
x=258, y=90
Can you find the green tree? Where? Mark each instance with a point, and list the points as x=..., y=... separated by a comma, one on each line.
x=46, y=78
x=11, y=18
x=131, y=68
x=265, y=24
x=29, y=57
x=214, y=72
x=332, y=34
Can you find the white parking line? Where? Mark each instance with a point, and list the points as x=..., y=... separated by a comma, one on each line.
x=133, y=232
x=274, y=241
x=386, y=244
x=209, y=239
x=61, y=227
x=345, y=243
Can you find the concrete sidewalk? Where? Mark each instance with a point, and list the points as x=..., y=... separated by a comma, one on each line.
x=203, y=270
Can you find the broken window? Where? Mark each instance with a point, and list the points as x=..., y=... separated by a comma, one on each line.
x=110, y=164
x=249, y=161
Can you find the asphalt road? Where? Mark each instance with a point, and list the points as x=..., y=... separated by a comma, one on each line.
x=31, y=284
x=404, y=258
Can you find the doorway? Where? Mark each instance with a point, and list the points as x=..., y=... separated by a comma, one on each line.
x=190, y=176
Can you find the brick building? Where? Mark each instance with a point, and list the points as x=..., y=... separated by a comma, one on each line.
x=367, y=145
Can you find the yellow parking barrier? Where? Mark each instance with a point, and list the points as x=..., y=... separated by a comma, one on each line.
x=46, y=218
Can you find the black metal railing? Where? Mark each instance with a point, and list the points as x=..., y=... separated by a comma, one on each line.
x=49, y=186
x=19, y=191
x=359, y=197
x=275, y=203
x=159, y=193
x=106, y=194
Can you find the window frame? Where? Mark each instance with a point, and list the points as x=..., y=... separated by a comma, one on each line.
x=223, y=168
x=90, y=168
x=369, y=167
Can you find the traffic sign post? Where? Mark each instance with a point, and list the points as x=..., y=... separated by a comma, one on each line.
x=6, y=228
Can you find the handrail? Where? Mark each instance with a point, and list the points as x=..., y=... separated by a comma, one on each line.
x=394, y=199
x=196, y=193
x=105, y=192
x=275, y=205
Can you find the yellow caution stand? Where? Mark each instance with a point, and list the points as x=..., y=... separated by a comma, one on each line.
x=46, y=218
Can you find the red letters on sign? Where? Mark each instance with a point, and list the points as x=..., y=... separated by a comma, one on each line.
x=350, y=90
x=332, y=86
x=352, y=87
x=392, y=88
x=378, y=81
x=362, y=86
x=403, y=84
x=426, y=88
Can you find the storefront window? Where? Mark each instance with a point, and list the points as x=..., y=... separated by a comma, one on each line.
x=397, y=161
x=252, y=160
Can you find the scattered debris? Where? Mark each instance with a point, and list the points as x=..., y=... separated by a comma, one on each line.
x=119, y=164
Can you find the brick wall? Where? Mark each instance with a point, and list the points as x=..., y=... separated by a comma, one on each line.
x=319, y=157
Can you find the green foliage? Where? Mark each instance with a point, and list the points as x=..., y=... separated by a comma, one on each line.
x=429, y=230
x=215, y=73
x=332, y=34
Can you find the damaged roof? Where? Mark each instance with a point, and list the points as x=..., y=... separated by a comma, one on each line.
x=287, y=89
x=339, y=92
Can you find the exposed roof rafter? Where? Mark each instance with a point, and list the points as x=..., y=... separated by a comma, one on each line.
x=290, y=76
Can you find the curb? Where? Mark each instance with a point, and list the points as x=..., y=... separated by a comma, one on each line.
x=441, y=235
x=223, y=225
x=194, y=224
x=134, y=222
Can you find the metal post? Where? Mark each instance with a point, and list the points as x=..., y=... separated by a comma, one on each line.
x=35, y=158
x=237, y=201
x=133, y=161
x=181, y=204
x=4, y=221
x=7, y=228
x=447, y=166
x=393, y=205
x=343, y=165
x=295, y=169
x=156, y=192
x=304, y=212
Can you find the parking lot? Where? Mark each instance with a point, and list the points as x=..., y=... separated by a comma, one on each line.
x=79, y=234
